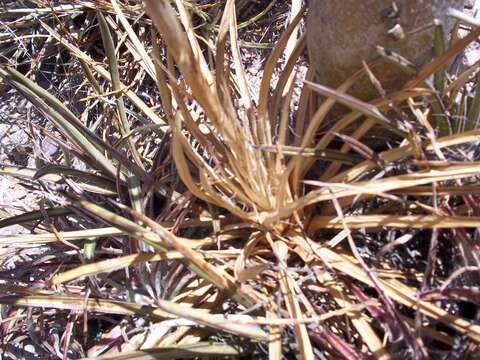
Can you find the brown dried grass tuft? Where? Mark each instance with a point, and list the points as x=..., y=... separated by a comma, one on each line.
x=235, y=221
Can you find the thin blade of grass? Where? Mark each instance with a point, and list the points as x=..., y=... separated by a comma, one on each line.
x=134, y=186
x=37, y=239
x=116, y=84
x=217, y=322
x=139, y=48
x=126, y=261
x=198, y=350
x=326, y=154
x=165, y=310
x=400, y=293
x=473, y=118
x=81, y=304
x=85, y=180
x=395, y=221
x=443, y=60
x=356, y=104
x=31, y=216
x=370, y=188
x=75, y=51
x=403, y=151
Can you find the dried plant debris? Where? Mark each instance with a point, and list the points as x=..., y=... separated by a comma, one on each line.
x=181, y=191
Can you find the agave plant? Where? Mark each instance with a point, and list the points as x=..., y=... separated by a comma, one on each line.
x=271, y=213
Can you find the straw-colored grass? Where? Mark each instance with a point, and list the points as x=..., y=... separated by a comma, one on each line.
x=191, y=217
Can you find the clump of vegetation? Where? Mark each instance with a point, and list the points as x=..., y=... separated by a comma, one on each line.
x=183, y=216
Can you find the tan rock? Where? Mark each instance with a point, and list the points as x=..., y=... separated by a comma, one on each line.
x=342, y=33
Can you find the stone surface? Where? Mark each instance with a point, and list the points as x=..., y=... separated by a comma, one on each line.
x=15, y=149
x=341, y=34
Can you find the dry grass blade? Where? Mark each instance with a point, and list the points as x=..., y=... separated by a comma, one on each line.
x=293, y=304
x=403, y=151
x=80, y=304
x=139, y=47
x=164, y=310
x=124, y=261
x=275, y=340
x=218, y=322
x=201, y=349
x=273, y=61
x=37, y=239
x=75, y=51
x=371, y=188
x=361, y=323
x=218, y=187
x=326, y=154
x=355, y=104
x=161, y=239
x=169, y=26
x=401, y=293
x=395, y=221
x=441, y=190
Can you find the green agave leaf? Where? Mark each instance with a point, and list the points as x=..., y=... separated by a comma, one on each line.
x=86, y=181
x=134, y=186
x=439, y=119
x=33, y=215
x=63, y=119
x=71, y=126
